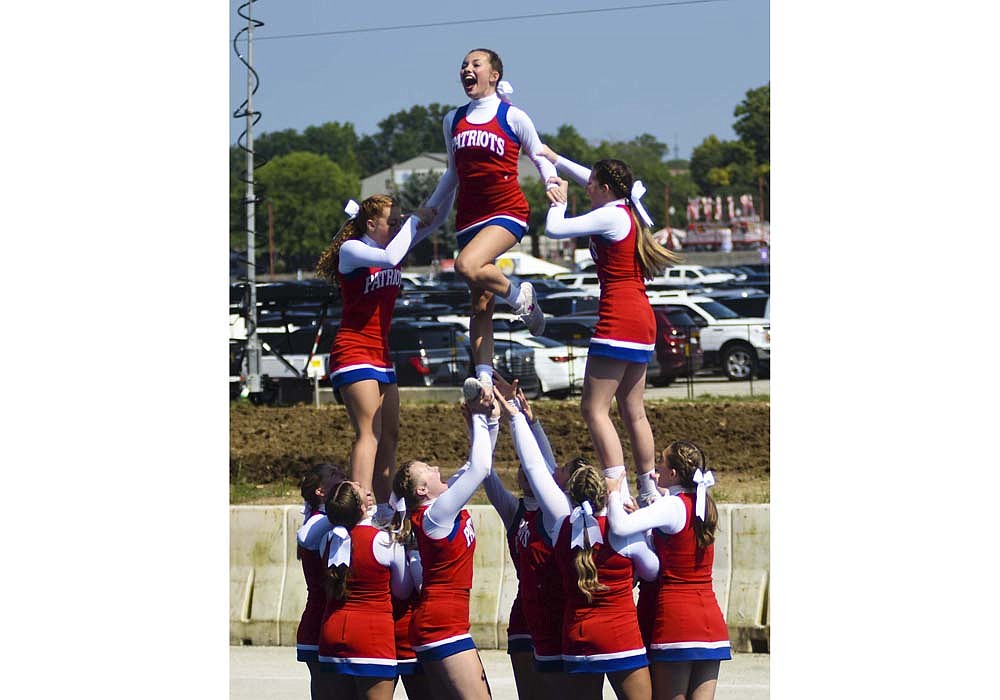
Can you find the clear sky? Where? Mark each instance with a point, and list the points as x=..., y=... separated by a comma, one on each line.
x=676, y=72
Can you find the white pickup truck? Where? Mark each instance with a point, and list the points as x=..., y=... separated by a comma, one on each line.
x=739, y=346
x=694, y=275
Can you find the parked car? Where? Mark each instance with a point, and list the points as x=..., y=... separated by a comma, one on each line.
x=739, y=346
x=695, y=275
x=565, y=303
x=428, y=353
x=748, y=302
x=514, y=360
x=560, y=367
x=678, y=346
x=587, y=281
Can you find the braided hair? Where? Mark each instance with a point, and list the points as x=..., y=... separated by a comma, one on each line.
x=587, y=484
x=685, y=457
x=653, y=258
x=371, y=208
x=343, y=507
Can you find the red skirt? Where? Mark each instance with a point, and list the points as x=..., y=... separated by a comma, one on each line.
x=687, y=625
x=358, y=641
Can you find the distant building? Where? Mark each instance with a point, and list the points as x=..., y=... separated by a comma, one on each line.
x=393, y=177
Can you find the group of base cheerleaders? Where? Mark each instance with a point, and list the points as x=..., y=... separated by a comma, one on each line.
x=387, y=548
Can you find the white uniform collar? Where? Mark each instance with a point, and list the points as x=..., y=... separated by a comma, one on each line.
x=483, y=101
x=677, y=488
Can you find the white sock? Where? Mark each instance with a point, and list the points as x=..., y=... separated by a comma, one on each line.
x=647, y=484
x=484, y=373
x=512, y=294
x=614, y=473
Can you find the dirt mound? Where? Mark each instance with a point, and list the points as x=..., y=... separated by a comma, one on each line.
x=269, y=447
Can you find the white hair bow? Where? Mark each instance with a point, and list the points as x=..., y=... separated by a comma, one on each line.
x=351, y=209
x=504, y=91
x=639, y=189
x=582, y=520
x=703, y=481
x=397, y=504
x=340, y=547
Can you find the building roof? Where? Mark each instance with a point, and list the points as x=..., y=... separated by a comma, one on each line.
x=395, y=175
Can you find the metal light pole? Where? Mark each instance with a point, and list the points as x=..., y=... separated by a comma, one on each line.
x=253, y=342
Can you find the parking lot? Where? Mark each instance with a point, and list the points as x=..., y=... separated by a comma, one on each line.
x=707, y=337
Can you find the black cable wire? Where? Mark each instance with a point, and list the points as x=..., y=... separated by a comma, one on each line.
x=491, y=19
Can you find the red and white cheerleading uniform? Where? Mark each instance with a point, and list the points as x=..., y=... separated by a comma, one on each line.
x=370, y=280
x=686, y=621
x=357, y=637
x=601, y=636
x=484, y=139
x=626, y=327
x=541, y=591
x=446, y=540
x=310, y=538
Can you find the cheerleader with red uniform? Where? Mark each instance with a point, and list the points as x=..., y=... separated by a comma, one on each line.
x=446, y=540
x=365, y=564
x=600, y=634
x=687, y=636
x=364, y=260
x=315, y=485
x=484, y=139
x=625, y=255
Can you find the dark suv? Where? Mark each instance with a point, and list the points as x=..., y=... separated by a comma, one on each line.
x=428, y=353
x=678, y=346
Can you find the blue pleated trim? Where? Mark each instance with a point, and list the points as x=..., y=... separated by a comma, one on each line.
x=307, y=655
x=386, y=376
x=446, y=650
x=618, y=353
x=408, y=668
x=690, y=654
x=516, y=228
x=625, y=663
x=356, y=668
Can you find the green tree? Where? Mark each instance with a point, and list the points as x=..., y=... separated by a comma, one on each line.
x=403, y=135
x=723, y=167
x=753, y=122
x=414, y=192
x=307, y=192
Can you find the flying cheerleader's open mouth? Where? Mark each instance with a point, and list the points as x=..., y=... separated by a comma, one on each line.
x=468, y=80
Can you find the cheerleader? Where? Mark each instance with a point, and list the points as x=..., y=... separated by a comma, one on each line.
x=625, y=255
x=688, y=636
x=446, y=540
x=315, y=485
x=364, y=260
x=357, y=645
x=600, y=634
x=484, y=139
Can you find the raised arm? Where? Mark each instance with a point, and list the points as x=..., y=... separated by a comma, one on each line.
x=576, y=172
x=531, y=145
x=392, y=555
x=446, y=507
x=555, y=507
x=355, y=253
x=449, y=181
x=666, y=513
x=607, y=221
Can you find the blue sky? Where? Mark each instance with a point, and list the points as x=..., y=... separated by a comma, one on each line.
x=676, y=72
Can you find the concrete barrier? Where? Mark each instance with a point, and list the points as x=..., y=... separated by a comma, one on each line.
x=267, y=592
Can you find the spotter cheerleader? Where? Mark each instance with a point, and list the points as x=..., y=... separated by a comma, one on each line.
x=600, y=634
x=687, y=635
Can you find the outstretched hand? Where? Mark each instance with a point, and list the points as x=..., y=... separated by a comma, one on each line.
x=507, y=390
x=525, y=406
x=506, y=405
x=425, y=214
x=560, y=194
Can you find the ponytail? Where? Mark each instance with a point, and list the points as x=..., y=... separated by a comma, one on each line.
x=586, y=571
x=343, y=509
x=587, y=484
x=354, y=227
x=687, y=458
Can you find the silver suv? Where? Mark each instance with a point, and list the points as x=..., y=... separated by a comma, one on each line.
x=739, y=346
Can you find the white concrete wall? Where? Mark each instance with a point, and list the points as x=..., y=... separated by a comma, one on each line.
x=267, y=592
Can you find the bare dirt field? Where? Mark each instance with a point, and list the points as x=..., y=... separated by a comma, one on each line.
x=269, y=447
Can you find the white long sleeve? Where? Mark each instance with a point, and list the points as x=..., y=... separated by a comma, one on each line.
x=666, y=513
x=578, y=173
x=634, y=546
x=479, y=112
x=392, y=555
x=551, y=499
x=608, y=221
x=313, y=532
x=543, y=444
x=442, y=512
x=364, y=252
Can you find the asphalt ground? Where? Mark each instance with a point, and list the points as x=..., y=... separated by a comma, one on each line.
x=272, y=673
